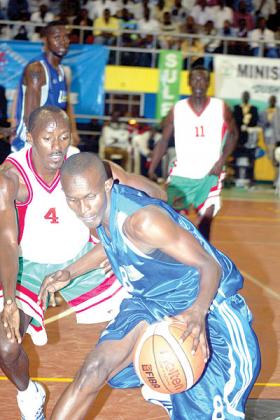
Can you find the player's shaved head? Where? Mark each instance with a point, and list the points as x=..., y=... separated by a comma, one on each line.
x=54, y=24
x=44, y=113
x=83, y=162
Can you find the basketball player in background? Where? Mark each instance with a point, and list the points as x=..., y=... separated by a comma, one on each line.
x=45, y=82
x=170, y=270
x=33, y=210
x=205, y=135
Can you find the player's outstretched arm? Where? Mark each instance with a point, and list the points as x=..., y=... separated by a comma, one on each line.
x=152, y=228
x=162, y=145
x=95, y=258
x=9, y=253
x=137, y=181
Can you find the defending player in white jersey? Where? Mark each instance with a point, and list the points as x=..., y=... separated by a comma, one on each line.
x=40, y=235
x=205, y=135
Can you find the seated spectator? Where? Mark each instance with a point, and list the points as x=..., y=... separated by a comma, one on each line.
x=148, y=27
x=192, y=48
x=127, y=22
x=78, y=35
x=221, y=14
x=264, y=8
x=202, y=13
x=274, y=19
x=242, y=47
x=248, y=5
x=129, y=5
x=227, y=46
x=115, y=141
x=106, y=29
x=167, y=26
x=160, y=8
x=41, y=16
x=261, y=33
x=242, y=13
x=178, y=12
x=22, y=32
x=16, y=8
x=210, y=44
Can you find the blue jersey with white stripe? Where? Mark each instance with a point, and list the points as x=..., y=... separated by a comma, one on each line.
x=158, y=277
x=54, y=92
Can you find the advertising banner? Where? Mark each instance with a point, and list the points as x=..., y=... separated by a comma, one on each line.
x=170, y=65
x=259, y=76
x=87, y=64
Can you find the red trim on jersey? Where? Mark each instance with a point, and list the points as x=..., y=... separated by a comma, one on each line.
x=22, y=172
x=48, y=188
x=22, y=207
x=94, y=292
x=98, y=303
x=20, y=288
x=198, y=114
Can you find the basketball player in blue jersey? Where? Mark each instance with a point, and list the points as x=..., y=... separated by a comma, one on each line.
x=170, y=270
x=43, y=82
x=205, y=135
x=39, y=234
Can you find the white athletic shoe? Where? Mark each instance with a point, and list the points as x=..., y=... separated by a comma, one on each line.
x=32, y=408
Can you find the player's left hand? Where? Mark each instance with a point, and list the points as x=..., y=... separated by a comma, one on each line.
x=194, y=319
x=217, y=168
x=52, y=283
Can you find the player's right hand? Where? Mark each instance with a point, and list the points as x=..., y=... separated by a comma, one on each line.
x=52, y=283
x=11, y=320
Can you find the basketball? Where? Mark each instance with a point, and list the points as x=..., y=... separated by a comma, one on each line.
x=163, y=363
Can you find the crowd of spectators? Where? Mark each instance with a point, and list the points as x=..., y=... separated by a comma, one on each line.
x=256, y=20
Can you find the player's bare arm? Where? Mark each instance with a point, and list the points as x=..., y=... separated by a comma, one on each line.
x=10, y=190
x=230, y=143
x=162, y=145
x=137, y=181
x=92, y=260
x=152, y=228
x=34, y=79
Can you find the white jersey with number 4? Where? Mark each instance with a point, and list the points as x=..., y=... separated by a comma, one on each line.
x=49, y=231
x=198, y=137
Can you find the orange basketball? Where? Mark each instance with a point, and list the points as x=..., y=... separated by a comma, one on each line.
x=163, y=363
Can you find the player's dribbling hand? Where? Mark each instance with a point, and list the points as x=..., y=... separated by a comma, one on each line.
x=194, y=319
x=52, y=283
x=11, y=320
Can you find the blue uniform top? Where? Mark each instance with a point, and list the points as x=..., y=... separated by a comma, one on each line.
x=157, y=277
x=54, y=92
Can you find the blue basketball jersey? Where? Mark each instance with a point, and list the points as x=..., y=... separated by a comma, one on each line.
x=54, y=92
x=157, y=276
x=161, y=286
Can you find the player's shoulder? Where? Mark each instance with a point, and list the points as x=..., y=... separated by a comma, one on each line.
x=9, y=179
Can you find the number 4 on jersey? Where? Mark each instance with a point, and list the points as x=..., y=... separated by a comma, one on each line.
x=51, y=215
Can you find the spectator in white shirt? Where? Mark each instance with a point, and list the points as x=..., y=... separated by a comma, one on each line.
x=202, y=13
x=264, y=7
x=222, y=13
x=41, y=16
x=261, y=33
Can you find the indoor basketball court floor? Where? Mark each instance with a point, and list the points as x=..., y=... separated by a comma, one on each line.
x=248, y=230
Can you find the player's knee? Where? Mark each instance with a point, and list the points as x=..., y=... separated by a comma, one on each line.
x=93, y=374
x=9, y=352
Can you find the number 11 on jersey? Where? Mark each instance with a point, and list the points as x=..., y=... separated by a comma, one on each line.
x=199, y=131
